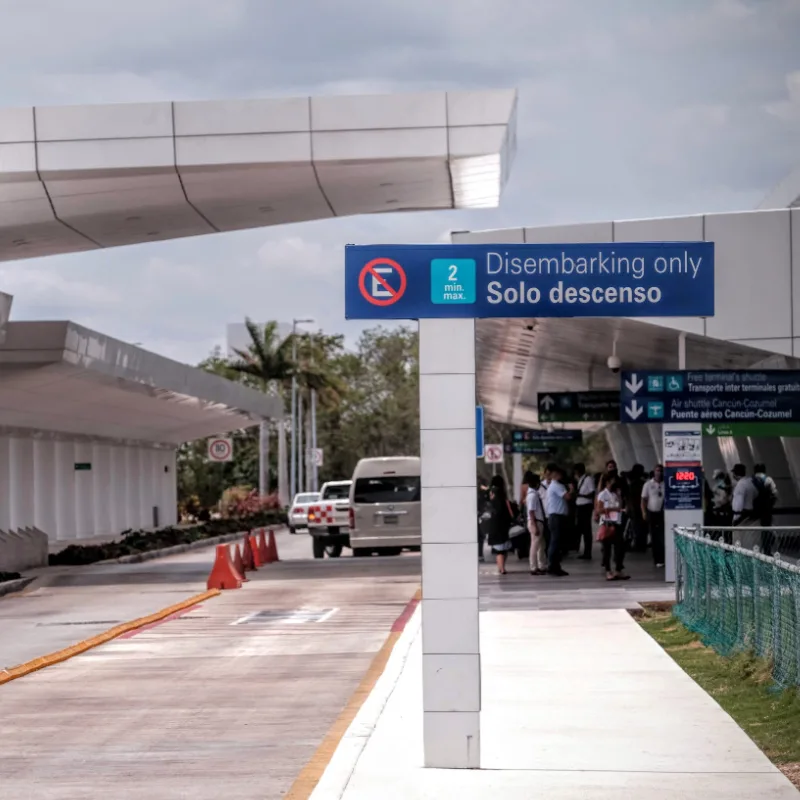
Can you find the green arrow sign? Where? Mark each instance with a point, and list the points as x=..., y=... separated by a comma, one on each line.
x=751, y=429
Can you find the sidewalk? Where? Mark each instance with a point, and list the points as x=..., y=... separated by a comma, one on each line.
x=576, y=704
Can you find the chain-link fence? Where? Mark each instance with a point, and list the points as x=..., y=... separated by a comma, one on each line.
x=739, y=599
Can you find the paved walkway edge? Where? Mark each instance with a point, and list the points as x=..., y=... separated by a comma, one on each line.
x=8, y=675
x=327, y=774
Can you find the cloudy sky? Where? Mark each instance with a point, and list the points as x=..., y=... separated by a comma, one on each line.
x=628, y=108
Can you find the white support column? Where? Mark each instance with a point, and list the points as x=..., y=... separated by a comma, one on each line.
x=119, y=489
x=84, y=491
x=65, y=490
x=101, y=483
x=450, y=638
x=134, y=472
x=516, y=462
x=169, y=488
x=22, y=481
x=5, y=483
x=44, y=486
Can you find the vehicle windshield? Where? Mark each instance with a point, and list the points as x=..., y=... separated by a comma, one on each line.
x=336, y=492
x=306, y=498
x=387, y=489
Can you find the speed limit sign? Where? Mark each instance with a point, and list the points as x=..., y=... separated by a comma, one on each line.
x=220, y=449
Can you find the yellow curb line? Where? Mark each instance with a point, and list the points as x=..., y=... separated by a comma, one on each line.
x=310, y=775
x=68, y=652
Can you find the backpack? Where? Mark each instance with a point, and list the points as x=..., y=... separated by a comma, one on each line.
x=762, y=505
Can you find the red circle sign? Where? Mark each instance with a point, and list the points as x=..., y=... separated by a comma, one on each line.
x=220, y=449
x=389, y=296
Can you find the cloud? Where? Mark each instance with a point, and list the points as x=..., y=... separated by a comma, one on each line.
x=789, y=109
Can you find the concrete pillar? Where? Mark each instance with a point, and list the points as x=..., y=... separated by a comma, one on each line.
x=65, y=491
x=133, y=456
x=619, y=441
x=656, y=441
x=84, y=491
x=5, y=483
x=713, y=458
x=450, y=640
x=21, y=494
x=44, y=486
x=101, y=489
x=169, y=490
x=744, y=453
x=643, y=451
x=516, y=460
x=119, y=489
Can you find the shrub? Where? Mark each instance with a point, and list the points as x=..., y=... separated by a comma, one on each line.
x=9, y=576
x=133, y=542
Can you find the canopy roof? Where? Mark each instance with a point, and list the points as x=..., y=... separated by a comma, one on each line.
x=86, y=177
x=62, y=377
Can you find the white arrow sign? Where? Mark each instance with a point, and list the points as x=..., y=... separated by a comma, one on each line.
x=634, y=410
x=547, y=402
x=710, y=429
x=634, y=384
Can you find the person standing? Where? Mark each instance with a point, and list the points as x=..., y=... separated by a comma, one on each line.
x=653, y=513
x=584, y=506
x=538, y=551
x=609, y=505
x=764, y=506
x=500, y=521
x=557, y=510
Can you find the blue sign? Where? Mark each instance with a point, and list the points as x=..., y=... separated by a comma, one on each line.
x=617, y=279
x=710, y=396
x=479, y=435
x=684, y=487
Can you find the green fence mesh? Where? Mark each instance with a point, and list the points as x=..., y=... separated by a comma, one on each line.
x=740, y=600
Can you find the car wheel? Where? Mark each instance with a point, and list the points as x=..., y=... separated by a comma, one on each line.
x=318, y=547
x=390, y=551
x=292, y=530
x=334, y=551
x=361, y=552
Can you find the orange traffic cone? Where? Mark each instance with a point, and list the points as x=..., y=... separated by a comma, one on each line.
x=237, y=561
x=263, y=550
x=224, y=574
x=272, y=547
x=257, y=562
x=247, y=554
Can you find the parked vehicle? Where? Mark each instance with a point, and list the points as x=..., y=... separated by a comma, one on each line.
x=298, y=511
x=328, y=519
x=385, y=513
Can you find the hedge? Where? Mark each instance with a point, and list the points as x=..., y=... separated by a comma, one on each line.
x=133, y=542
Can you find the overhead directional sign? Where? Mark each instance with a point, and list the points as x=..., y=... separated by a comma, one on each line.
x=592, y=406
x=618, y=279
x=784, y=429
x=529, y=448
x=535, y=441
x=752, y=396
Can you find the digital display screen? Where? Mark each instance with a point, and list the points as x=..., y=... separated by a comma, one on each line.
x=686, y=475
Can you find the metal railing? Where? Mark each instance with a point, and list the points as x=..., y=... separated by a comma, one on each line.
x=739, y=599
x=767, y=540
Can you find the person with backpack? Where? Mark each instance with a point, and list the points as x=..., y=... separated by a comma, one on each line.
x=764, y=505
x=744, y=497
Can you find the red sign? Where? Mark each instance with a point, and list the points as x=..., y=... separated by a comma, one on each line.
x=381, y=292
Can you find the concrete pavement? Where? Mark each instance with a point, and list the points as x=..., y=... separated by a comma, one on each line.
x=229, y=699
x=576, y=704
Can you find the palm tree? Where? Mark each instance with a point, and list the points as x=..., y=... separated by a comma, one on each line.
x=267, y=365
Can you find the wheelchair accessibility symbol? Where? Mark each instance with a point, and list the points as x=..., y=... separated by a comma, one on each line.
x=382, y=282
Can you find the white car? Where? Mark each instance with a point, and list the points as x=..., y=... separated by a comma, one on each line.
x=298, y=511
x=329, y=519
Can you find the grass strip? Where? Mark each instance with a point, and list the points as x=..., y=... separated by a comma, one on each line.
x=742, y=685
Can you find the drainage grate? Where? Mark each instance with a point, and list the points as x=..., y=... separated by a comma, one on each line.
x=296, y=616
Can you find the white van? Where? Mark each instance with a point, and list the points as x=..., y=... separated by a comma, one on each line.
x=385, y=514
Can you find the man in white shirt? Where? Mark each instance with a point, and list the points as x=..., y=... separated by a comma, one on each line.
x=557, y=510
x=744, y=497
x=653, y=512
x=536, y=528
x=584, y=508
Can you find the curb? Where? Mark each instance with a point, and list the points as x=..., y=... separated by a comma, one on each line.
x=8, y=675
x=17, y=585
x=348, y=736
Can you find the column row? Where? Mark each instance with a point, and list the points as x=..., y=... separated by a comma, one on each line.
x=81, y=490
